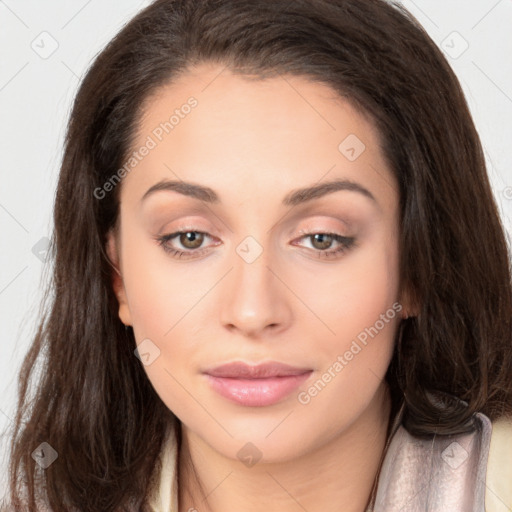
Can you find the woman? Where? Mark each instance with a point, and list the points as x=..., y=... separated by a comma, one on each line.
x=281, y=280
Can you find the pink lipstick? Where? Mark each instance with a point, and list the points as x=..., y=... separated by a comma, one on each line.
x=256, y=385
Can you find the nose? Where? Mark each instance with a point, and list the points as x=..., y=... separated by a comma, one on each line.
x=255, y=299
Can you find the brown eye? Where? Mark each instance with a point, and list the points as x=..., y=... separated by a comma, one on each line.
x=321, y=241
x=191, y=239
x=184, y=244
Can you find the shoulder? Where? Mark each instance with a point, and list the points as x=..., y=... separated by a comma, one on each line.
x=498, y=495
x=443, y=472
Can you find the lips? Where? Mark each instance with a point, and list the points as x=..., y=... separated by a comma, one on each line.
x=239, y=370
x=256, y=386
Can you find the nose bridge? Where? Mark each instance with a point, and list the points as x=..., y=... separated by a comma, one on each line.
x=251, y=269
x=253, y=299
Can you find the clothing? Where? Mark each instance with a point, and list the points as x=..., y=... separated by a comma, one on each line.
x=461, y=473
x=446, y=473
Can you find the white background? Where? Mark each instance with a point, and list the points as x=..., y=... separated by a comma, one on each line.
x=36, y=94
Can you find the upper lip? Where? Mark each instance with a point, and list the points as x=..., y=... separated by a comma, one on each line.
x=239, y=369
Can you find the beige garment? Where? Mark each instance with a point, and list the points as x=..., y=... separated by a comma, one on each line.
x=498, y=496
x=463, y=473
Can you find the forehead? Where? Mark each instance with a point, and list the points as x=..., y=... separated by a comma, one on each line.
x=246, y=101
x=287, y=131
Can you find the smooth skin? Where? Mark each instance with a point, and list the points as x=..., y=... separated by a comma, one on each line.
x=253, y=142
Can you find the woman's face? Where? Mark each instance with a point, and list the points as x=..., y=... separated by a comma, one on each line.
x=251, y=282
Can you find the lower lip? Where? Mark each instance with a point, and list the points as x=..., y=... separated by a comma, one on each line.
x=256, y=392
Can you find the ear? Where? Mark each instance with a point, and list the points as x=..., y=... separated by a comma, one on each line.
x=117, y=279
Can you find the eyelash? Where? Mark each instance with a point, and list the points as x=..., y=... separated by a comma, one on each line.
x=346, y=243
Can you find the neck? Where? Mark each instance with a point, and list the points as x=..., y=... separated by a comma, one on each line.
x=341, y=473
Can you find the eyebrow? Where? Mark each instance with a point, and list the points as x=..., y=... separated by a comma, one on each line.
x=293, y=198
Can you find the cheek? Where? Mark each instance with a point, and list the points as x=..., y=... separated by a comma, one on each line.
x=165, y=299
x=351, y=295
x=360, y=306
x=157, y=297
x=159, y=301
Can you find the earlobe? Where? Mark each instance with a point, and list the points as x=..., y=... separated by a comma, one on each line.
x=117, y=279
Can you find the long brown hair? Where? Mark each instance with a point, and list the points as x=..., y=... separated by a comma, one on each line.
x=93, y=403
